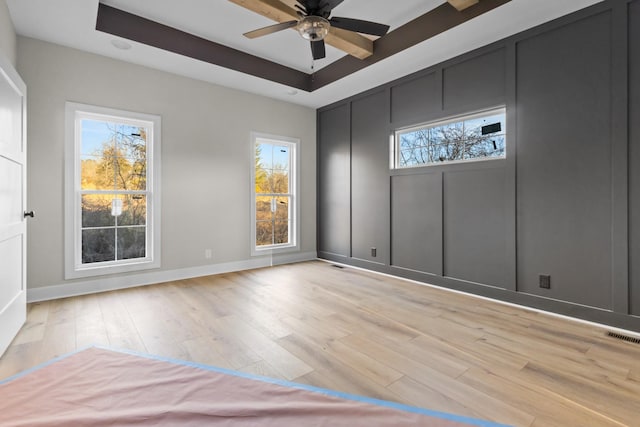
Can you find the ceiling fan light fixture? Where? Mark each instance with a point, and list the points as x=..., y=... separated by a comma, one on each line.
x=313, y=28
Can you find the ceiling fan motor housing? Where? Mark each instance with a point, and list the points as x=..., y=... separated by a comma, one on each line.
x=313, y=28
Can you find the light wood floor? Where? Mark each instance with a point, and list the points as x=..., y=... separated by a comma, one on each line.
x=362, y=333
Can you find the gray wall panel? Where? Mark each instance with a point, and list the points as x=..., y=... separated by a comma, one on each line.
x=334, y=186
x=475, y=226
x=634, y=156
x=475, y=82
x=416, y=222
x=564, y=162
x=416, y=100
x=370, y=178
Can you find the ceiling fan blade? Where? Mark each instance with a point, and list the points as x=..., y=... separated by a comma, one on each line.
x=270, y=29
x=317, y=49
x=359, y=26
x=331, y=4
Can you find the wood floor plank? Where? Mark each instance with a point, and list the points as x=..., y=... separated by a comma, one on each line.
x=418, y=394
x=121, y=331
x=288, y=365
x=59, y=339
x=34, y=328
x=552, y=411
x=410, y=364
x=609, y=401
x=332, y=373
x=203, y=350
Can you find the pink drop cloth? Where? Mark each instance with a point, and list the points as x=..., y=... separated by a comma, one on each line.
x=99, y=387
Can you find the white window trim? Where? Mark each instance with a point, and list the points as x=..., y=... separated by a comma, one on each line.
x=72, y=233
x=395, y=145
x=294, y=231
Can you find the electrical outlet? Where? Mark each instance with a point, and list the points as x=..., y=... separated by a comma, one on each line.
x=544, y=281
x=208, y=254
x=374, y=252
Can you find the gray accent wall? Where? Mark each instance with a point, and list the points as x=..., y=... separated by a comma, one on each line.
x=563, y=203
x=416, y=226
x=334, y=195
x=370, y=179
x=474, y=215
x=564, y=189
x=634, y=156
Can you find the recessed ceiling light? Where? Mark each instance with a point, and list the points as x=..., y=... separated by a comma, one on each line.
x=121, y=44
x=292, y=92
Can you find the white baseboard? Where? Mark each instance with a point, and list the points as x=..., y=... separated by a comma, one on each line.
x=103, y=284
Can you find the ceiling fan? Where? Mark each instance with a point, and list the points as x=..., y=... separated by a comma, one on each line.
x=314, y=23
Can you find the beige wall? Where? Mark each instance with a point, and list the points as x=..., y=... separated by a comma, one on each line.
x=7, y=34
x=206, y=154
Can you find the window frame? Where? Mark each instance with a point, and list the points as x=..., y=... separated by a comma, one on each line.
x=395, y=138
x=294, y=206
x=74, y=114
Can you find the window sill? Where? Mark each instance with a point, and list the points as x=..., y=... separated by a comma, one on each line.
x=103, y=270
x=268, y=250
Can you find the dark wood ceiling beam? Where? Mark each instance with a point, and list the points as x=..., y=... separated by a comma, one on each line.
x=432, y=23
x=133, y=27
x=353, y=43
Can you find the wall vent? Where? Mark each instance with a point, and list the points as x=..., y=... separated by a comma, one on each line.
x=337, y=266
x=623, y=337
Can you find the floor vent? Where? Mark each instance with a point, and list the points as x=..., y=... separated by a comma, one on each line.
x=624, y=337
x=337, y=266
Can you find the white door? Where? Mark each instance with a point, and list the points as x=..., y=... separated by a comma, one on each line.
x=13, y=227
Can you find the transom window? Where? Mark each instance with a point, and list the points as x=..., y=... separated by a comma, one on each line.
x=112, y=191
x=476, y=136
x=274, y=192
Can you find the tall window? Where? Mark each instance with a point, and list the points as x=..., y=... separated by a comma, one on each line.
x=112, y=191
x=475, y=136
x=274, y=192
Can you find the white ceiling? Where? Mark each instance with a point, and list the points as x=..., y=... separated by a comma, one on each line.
x=72, y=23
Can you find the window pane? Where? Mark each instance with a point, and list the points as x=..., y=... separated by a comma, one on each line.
x=88, y=172
x=279, y=180
x=98, y=245
x=263, y=185
x=481, y=136
x=133, y=174
x=282, y=208
x=96, y=210
x=113, y=156
x=264, y=156
x=281, y=232
x=131, y=242
x=280, y=157
x=264, y=233
x=264, y=208
x=134, y=210
x=95, y=136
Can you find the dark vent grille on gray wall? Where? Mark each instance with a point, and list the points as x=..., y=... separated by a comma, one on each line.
x=624, y=337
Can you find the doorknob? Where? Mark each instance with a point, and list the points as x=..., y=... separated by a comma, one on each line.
x=30, y=213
